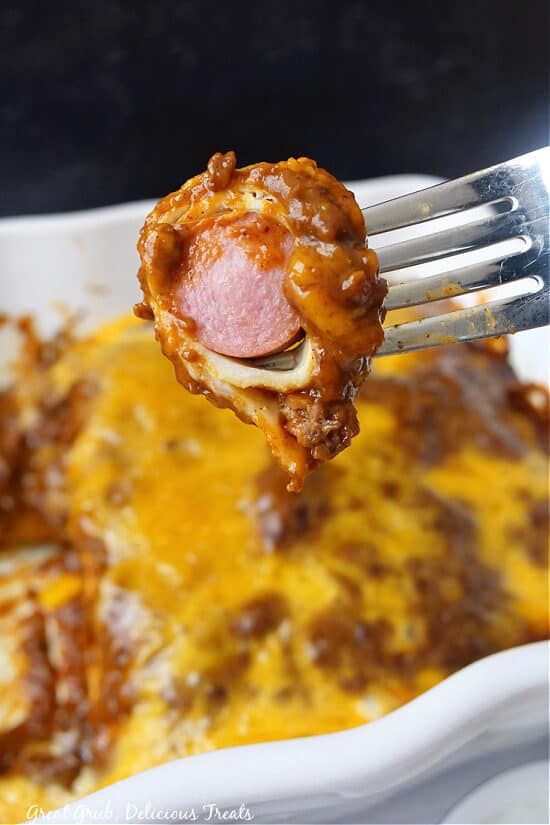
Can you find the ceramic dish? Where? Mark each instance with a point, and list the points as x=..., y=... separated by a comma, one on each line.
x=88, y=260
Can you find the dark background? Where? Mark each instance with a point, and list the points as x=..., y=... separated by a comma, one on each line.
x=102, y=102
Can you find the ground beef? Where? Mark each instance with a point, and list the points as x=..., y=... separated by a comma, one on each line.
x=324, y=428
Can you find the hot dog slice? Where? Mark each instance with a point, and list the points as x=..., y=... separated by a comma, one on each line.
x=231, y=284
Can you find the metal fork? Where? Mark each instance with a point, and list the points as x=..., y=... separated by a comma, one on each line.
x=513, y=235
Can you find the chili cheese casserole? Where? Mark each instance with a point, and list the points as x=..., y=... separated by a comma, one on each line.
x=240, y=264
x=162, y=594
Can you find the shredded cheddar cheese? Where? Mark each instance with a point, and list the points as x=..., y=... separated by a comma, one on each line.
x=188, y=602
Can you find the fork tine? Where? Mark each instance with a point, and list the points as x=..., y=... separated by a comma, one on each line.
x=496, y=318
x=462, y=280
x=459, y=239
x=486, y=186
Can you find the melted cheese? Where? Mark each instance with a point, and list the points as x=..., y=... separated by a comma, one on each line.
x=168, y=484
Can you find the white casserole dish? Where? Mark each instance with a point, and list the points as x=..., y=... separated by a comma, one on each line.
x=88, y=261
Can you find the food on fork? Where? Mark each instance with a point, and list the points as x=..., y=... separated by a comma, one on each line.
x=267, y=300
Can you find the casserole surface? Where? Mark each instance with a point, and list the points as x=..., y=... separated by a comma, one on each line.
x=166, y=596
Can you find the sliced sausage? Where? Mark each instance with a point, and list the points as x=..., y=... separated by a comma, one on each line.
x=232, y=286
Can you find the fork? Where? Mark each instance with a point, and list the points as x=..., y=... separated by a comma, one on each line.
x=500, y=215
